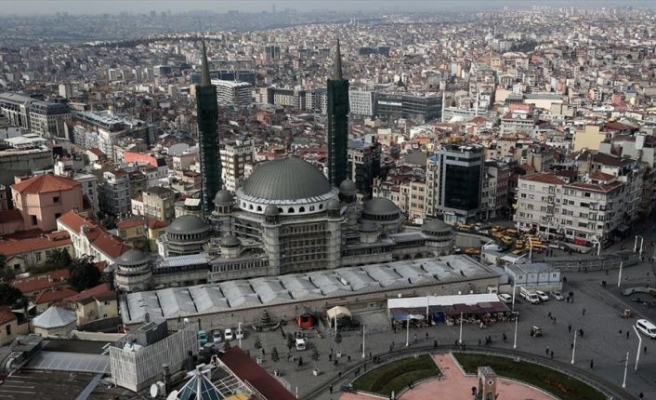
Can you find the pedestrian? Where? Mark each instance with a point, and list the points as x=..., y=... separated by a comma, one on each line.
x=547, y=350
x=581, y=332
x=426, y=336
x=349, y=358
x=571, y=346
x=339, y=375
x=549, y=315
x=263, y=352
x=641, y=395
x=583, y=311
x=620, y=333
x=591, y=364
x=415, y=338
x=456, y=343
x=330, y=388
x=552, y=354
x=479, y=342
x=569, y=328
x=435, y=344
x=645, y=349
x=365, y=367
x=627, y=334
x=330, y=357
x=392, y=345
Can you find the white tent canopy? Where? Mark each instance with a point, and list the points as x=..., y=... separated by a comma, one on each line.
x=338, y=312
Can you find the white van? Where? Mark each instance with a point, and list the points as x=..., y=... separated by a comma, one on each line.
x=529, y=296
x=301, y=344
x=646, y=328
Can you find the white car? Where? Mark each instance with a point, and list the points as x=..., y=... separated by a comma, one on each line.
x=228, y=335
x=216, y=336
x=505, y=298
x=557, y=295
x=542, y=295
x=239, y=334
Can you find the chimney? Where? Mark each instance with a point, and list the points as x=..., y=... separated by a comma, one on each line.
x=166, y=374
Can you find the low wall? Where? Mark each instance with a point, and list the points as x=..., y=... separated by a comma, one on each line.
x=97, y=336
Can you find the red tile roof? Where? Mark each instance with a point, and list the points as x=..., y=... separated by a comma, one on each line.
x=99, y=238
x=600, y=176
x=100, y=292
x=129, y=223
x=6, y=315
x=52, y=296
x=154, y=223
x=13, y=247
x=41, y=282
x=591, y=187
x=248, y=370
x=544, y=177
x=45, y=184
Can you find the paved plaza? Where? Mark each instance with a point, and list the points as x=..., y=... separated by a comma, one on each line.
x=601, y=344
x=455, y=385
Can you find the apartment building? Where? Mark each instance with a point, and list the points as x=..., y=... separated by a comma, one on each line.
x=585, y=212
x=159, y=203
x=454, y=177
x=232, y=93
x=234, y=157
x=36, y=116
x=494, y=197
x=363, y=158
x=362, y=103
x=114, y=193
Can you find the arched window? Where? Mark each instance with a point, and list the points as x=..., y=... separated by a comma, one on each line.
x=302, y=209
x=250, y=206
x=259, y=209
x=320, y=206
x=290, y=210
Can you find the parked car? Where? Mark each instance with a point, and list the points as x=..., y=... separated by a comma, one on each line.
x=557, y=295
x=536, y=331
x=217, y=336
x=542, y=295
x=202, y=337
x=239, y=333
x=228, y=335
x=505, y=298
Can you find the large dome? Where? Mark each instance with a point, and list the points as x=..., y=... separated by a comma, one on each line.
x=187, y=224
x=286, y=179
x=380, y=206
x=132, y=257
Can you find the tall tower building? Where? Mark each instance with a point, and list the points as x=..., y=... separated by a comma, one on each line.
x=338, y=108
x=208, y=137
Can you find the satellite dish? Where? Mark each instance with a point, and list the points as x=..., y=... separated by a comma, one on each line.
x=154, y=391
x=173, y=395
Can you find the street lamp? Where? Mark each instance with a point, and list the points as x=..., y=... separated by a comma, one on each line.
x=639, y=347
x=516, y=322
x=619, y=276
x=363, y=352
x=626, y=367
x=514, y=294
x=407, y=332
x=574, y=346
x=460, y=340
x=635, y=244
x=530, y=251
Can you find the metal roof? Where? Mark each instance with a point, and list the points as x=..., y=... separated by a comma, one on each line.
x=260, y=292
x=286, y=179
x=69, y=362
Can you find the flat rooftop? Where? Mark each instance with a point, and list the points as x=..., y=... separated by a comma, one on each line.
x=293, y=288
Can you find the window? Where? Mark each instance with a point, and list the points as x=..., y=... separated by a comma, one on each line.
x=38, y=256
x=8, y=329
x=55, y=199
x=34, y=220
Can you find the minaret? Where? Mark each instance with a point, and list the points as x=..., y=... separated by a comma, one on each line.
x=208, y=137
x=338, y=109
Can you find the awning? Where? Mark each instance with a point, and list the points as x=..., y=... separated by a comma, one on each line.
x=338, y=312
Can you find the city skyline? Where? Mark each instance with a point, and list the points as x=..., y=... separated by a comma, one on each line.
x=75, y=7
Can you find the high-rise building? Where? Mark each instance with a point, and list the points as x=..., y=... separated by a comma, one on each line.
x=208, y=137
x=454, y=183
x=233, y=93
x=338, y=108
x=364, y=164
x=234, y=157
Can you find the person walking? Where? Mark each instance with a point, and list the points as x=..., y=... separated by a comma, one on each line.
x=627, y=334
x=569, y=328
x=552, y=354
x=547, y=350
x=591, y=364
x=583, y=312
x=330, y=388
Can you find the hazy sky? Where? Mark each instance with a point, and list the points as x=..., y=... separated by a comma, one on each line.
x=141, y=6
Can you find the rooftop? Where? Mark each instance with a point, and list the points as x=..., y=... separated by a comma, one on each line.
x=297, y=288
x=45, y=184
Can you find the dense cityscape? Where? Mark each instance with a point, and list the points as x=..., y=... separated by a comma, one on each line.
x=329, y=204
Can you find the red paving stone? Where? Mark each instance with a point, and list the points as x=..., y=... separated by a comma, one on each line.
x=457, y=386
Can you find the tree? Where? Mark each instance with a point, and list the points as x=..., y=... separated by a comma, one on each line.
x=274, y=355
x=290, y=341
x=338, y=338
x=57, y=259
x=11, y=296
x=258, y=342
x=8, y=273
x=315, y=354
x=84, y=274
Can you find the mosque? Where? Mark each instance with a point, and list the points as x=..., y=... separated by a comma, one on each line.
x=286, y=218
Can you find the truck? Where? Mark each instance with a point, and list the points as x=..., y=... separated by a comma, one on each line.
x=301, y=344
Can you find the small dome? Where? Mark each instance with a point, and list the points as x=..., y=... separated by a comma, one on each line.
x=434, y=226
x=229, y=241
x=347, y=188
x=187, y=224
x=369, y=227
x=223, y=197
x=333, y=205
x=380, y=206
x=132, y=257
x=271, y=211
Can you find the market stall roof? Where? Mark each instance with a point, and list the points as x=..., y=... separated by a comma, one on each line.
x=338, y=312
